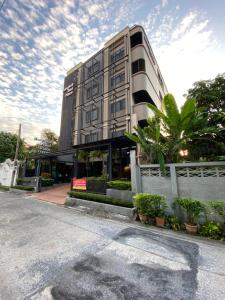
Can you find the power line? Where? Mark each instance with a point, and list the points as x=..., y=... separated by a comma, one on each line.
x=1, y=7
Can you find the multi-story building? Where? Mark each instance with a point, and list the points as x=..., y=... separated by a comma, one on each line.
x=107, y=95
x=104, y=97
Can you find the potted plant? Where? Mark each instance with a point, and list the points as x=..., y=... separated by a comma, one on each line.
x=142, y=203
x=174, y=222
x=193, y=209
x=158, y=209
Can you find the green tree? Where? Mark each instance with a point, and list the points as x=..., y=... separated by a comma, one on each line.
x=51, y=139
x=8, y=146
x=151, y=141
x=210, y=96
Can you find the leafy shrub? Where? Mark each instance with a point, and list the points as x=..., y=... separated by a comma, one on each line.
x=142, y=203
x=159, y=205
x=100, y=198
x=174, y=223
x=218, y=206
x=45, y=175
x=119, y=184
x=21, y=181
x=23, y=187
x=47, y=182
x=150, y=205
x=211, y=229
x=4, y=188
x=192, y=207
x=97, y=178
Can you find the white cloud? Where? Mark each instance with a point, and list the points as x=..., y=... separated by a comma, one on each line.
x=187, y=51
x=40, y=44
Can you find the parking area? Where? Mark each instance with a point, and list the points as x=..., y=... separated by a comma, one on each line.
x=52, y=252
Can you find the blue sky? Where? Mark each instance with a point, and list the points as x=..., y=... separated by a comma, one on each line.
x=41, y=40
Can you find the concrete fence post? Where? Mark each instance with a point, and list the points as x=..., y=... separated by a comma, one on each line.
x=135, y=173
x=173, y=177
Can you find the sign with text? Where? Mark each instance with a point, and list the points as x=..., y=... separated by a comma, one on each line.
x=80, y=184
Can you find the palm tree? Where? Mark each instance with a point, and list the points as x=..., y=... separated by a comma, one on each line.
x=171, y=130
x=181, y=128
x=150, y=140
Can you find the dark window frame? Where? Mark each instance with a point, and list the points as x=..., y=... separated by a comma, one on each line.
x=118, y=106
x=94, y=68
x=136, y=39
x=117, y=55
x=138, y=66
x=117, y=79
x=90, y=115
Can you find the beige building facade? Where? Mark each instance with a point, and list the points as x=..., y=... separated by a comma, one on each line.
x=107, y=95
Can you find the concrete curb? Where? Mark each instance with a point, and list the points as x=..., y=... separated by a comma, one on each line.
x=120, y=194
x=102, y=208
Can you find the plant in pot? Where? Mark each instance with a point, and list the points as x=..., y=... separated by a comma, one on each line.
x=193, y=209
x=142, y=203
x=158, y=209
x=174, y=222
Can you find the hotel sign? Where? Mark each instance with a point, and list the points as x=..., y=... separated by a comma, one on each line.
x=80, y=184
x=69, y=90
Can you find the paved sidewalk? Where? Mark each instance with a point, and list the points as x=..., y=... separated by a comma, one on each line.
x=55, y=195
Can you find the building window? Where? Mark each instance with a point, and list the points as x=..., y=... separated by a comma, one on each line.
x=118, y=133
x=138, y=65
x=87, y=138
x=136, y=39
x=160, y=79
x=89, y=92
x=160, y=96
x=118, y=54
x=117, y=80
x=118, y=106
x=93, y=90
x=150, y=51
x=93, y=68
x=91, y=115
x=92, y=137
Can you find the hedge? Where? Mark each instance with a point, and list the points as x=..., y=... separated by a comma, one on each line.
x=23, y=187
x=4, y=188
x=100, y=198
x=47, y=182
x=20, y=181
x=119, y=184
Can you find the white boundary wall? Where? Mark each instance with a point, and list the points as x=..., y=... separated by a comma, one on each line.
x=6, y=172
x=203, y=181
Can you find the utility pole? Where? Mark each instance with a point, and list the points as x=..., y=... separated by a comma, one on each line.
x=16, y=155
x=17, y=143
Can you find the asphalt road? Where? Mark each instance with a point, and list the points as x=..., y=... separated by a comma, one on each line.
x=51, y=252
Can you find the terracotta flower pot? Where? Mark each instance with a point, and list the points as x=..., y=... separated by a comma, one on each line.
x=160, y=221
x=192, y=229
x=143, y=218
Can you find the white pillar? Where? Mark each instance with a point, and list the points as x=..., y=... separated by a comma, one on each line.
x=135, y=173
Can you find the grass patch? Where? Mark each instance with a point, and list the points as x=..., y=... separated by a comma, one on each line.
x=100, y=198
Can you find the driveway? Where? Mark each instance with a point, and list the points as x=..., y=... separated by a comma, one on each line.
x=51, y=252
x=56, y=194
